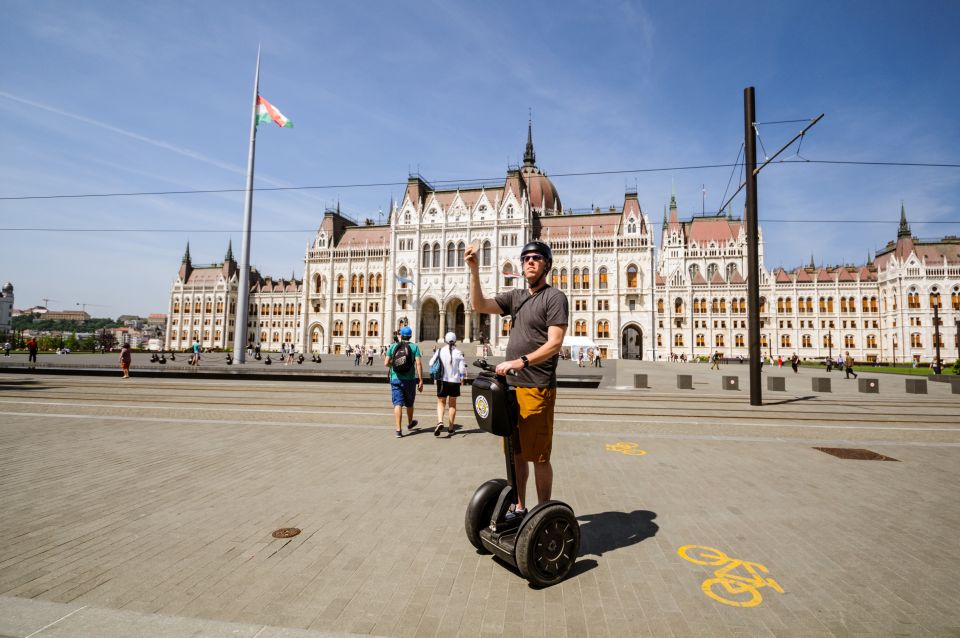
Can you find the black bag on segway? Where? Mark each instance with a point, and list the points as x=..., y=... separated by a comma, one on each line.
x=495, y=405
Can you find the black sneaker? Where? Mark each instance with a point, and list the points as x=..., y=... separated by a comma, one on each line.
x=412, y=424
x=398, y=434
x=516, y=514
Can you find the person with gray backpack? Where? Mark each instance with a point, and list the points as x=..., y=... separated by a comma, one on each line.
x=406, y=378
x=448, y=369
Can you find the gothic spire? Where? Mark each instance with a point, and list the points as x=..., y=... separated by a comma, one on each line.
x=229, y=256
x=904, y=230
x=186, y=255
x=529, y=157
x=664, y=217
x=813, y=266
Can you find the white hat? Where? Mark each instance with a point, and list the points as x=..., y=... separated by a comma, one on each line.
x=450, y=338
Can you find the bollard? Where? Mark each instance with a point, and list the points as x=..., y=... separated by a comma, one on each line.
x=640, y=381
x=776, y=384
x=731, y=383
x=955, y=386
x=869, y=386
x=916, y=386
x=821, y=384
x=685, y=381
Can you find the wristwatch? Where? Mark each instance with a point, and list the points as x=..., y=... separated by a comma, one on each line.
x=526, y=362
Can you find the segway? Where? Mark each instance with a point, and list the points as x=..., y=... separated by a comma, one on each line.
x=544, y=543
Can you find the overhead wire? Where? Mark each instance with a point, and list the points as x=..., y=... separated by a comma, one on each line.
x=472, y=182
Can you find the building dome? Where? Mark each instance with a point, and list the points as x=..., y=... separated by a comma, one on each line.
x=541, y=191
x=8, y=288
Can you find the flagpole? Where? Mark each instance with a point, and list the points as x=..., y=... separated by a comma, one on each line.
x=243, y=290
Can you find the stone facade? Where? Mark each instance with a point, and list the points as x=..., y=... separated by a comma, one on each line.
x=361, y=283
x=6, y=308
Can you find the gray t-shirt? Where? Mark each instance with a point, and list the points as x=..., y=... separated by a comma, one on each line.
x=547, y=307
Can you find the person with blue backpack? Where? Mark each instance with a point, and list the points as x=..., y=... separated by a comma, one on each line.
x=448, y=370
x=406, y=378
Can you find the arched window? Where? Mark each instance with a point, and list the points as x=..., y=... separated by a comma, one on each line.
x=555, y=278
x=718, y=340
x=425, y=260
x=678, y=339
x=176, y=306
x=508, y=281
x=602, y=278
x=576, y=278
x=585, y=278
x=700, y=341
x=660, y=306
x=955, y=298
x=829, y=304
x=788, y=302
x=510, y=211
x=823, y=304
x=406, y=217
x=603, y=329
x=337, y=330
x=731, y=271
x=379, y=283
x=563, y=278
x=505, y=327
x=355, y=328
x=316, y=283
x=631, y=225
x=723, y=305
x=580, y=328
x=485, y=254
x=631, y=276
x=935, y=300
x=738, y=341
x=371, y=283
x=779, y=304
x=873, y=305
x=373, y=328
x=436, y=255
x=451, y=255
x=711, y=271
x=678, y=306
x=806, y=341
x=360, y=283
x=460, y=248
x=353, y=283
x=340, y=282
x=693, y=270
x=784, y=341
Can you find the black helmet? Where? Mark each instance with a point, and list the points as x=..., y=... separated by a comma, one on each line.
x=540, y=248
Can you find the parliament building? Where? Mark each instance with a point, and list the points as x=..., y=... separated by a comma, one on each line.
x=362, y=282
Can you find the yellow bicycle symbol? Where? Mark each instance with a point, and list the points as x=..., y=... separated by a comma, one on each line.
x=630, y=449
x=726, y=586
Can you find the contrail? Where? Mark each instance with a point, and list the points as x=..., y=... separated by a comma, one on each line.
x=179, y=150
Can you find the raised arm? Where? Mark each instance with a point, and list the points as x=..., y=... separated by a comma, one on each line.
x=478, y=301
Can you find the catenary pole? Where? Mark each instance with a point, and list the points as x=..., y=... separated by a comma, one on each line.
x=753, y=244
x=243, y=287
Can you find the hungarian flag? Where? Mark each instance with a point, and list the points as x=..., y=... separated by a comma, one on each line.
x=267, y=112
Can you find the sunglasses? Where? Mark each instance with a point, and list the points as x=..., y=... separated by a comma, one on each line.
x=536, y=258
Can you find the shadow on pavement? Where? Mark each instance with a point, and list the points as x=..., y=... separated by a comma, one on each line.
x=607, y=531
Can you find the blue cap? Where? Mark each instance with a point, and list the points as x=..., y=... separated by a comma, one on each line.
x=406, y=331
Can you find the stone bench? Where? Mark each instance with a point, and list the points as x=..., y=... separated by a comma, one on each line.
x=685, y=381
x=776, y=384
x=640, y=381
x=821, y=384
x=868, y=386
x=731, y=383
x=916, y=386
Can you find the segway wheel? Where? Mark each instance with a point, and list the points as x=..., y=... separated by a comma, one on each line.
x=547, y=545
x=480, y=509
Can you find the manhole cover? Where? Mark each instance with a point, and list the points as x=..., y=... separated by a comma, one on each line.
x=857, y=454
x=286, y=532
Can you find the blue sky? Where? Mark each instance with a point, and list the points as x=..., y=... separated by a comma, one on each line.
x=99, y=97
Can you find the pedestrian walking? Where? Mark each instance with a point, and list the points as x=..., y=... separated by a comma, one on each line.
x=848, y=365
x=598, y=359
x=829, y=363
x=406, y=378
x=125, y=359
x=580, y=358
x=716, y=361
x=357, y=353
x=780, y=361
x=32, y=351
x=370, y=353
x=450, y=376
x=794, y=362
x=6, y=349
x=195, y=358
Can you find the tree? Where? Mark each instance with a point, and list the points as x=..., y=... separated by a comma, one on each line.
x=105, y=340
x=71, y=342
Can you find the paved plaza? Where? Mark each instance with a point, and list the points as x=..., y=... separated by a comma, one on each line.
x=145, y=508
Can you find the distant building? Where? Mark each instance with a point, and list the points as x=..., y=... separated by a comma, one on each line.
x=363, y=282
x=66, y=315
x=6, y=308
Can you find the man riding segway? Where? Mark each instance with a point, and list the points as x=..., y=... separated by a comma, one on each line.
x=544, y=542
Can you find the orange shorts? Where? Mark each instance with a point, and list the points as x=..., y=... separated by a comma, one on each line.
x=533, y=440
